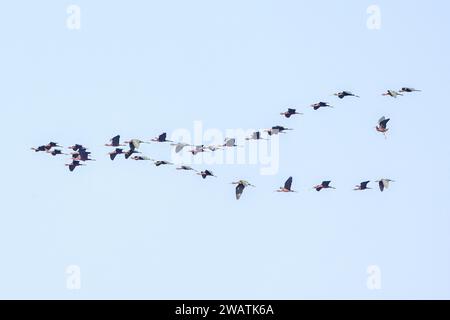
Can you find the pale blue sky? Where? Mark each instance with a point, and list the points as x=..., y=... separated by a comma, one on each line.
x=138, y=68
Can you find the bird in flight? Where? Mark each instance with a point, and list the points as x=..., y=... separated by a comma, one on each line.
x=74, y=164
x=255, y=136
x=409, y=90
x=382, y=126
x=113, y=154
x=384, y=183
x=362, y=186
x=323, y=185
x=318, y=105
x=344, y=94
x=56, y=152
x=276, y=130
x=290, y=112
x=287, y=186
x=240, y=186
x=206, y=173
x=76, y=147
x=392, y=93
x=185, y=168
x=180, y=146
x=115, y=142
x=161, y=138
x=134, y=143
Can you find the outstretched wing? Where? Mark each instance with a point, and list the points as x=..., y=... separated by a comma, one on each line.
x=364, y=184
x=116, y=140
x=162, y=137
x=239, y=189
x=288, y=183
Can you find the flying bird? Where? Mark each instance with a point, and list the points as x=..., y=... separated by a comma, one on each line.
x=409, y=90
x=323, y=185
x=362, y=186
x=52, y=145
x=40, y=149
x=115, y=142
x=161, y=162
x=141, y=158
x=74, y=164
x=384, y=183
x=76, y=147
x=198, y=149
x=255, y=136
x=56, y=152
x=290, y=112
x=240, y=186
x=276, y=130
x=185, y=168
x=344, y=94
x=392, y=93
x=161, y=138
x=130, y=152
x=134, y=143
x=206, y=173
x=229, y=142
x=382, y=126
x=113, y=154
x=318, y=105
x=287, y=186
x=179, y=146
x=83, y=155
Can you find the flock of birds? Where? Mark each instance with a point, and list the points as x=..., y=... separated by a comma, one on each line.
x=80, y=154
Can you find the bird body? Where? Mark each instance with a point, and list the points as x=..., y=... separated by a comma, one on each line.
x=287, y=186
x=362, y=186
x=382, y=126
x=392, y=93
x=409, y=90
x=318, y=105
x=206, y=173
x=73, y=165
x=384, y=183
x=344, y=94
x=323, y=185
x=276, y=130
x=161, y=138
x=290, y=112
x=240, y=186
x=115, y=142
x=255, y=136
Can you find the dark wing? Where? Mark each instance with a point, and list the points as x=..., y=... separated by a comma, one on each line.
x=288, y=183
x=113, y=155
x=162, y=137
x=381, y=185
x=257, y=135
x=292, y=111
x=383, y=123
x=116, y=140
x=326, y=184
x=364, y=184
x=132, y=146
x=318, y=188
x=239, y=189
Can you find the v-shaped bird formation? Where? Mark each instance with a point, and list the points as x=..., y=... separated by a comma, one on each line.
x=80, y=156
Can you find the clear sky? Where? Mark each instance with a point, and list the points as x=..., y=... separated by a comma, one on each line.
x=138, y=68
